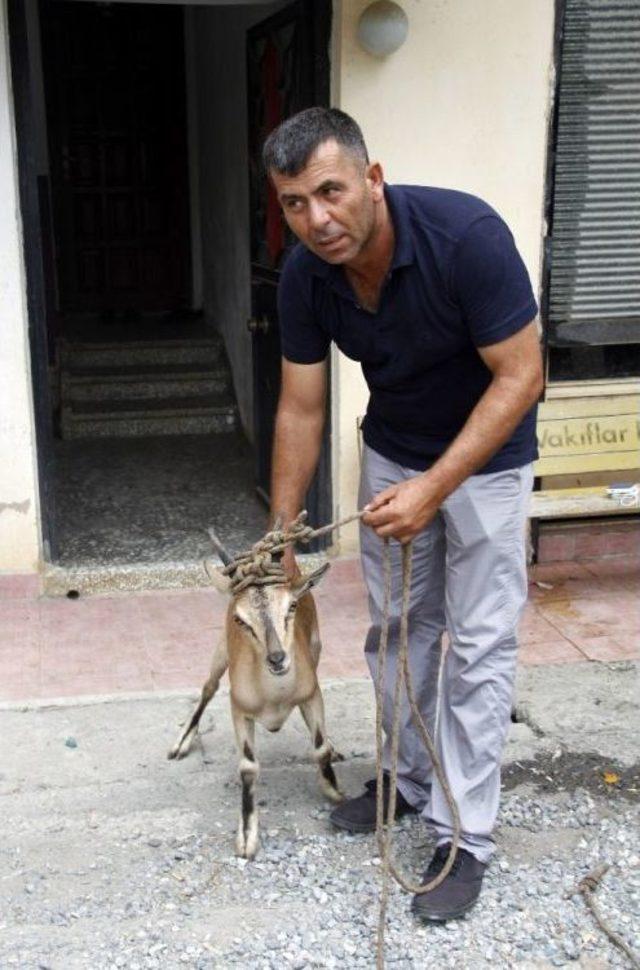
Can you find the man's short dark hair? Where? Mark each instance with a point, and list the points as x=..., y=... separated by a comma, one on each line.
x=289, y=147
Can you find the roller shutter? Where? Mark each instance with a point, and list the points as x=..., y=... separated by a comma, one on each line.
x=594, y=295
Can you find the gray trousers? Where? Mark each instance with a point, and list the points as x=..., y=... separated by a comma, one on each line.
x=468, y=578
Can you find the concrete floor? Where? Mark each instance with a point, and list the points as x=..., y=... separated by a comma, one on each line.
x=145, y=500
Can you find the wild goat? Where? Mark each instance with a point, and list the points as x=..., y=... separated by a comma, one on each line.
x=271, y=646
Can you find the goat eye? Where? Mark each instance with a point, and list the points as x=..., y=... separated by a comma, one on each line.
x=241, y=622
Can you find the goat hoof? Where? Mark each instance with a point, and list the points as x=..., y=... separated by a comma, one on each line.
x=181, y=748
x=330, y=792
x=246, y=848
x=176, y=753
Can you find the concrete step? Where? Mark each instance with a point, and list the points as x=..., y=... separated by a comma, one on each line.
x=205, y=414
x=59, y=580
x=153, y=382
x=146, y=352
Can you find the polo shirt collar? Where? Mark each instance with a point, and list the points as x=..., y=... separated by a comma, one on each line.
x=403, y=254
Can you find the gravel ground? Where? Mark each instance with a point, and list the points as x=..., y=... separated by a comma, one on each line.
x=311, y=900
x=113, y=857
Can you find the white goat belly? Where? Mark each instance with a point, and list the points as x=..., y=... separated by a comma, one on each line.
x=274, y=715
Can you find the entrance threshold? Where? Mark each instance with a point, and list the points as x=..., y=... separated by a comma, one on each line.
x=96, y=579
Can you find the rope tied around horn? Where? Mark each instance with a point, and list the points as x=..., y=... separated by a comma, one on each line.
x=261, y=565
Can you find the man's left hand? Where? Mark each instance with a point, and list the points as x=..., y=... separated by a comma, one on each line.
x=401, y=511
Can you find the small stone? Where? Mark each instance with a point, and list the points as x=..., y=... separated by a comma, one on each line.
x=71, y=742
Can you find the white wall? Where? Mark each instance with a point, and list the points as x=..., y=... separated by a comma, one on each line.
x=463, y=104
x=19, y=513
x=220, y=73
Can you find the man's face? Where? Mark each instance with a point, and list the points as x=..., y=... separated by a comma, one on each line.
x=332, y=205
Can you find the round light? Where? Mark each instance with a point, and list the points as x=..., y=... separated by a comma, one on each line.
x=382, y=28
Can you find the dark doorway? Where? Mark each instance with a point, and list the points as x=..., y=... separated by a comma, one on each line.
x=288, y=70
x=114, y=326
x=114, y=82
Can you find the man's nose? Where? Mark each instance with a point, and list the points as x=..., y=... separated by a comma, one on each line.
x=318, y=215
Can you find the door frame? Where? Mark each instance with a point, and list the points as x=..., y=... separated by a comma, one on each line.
x=32, y=191
x=317, y=18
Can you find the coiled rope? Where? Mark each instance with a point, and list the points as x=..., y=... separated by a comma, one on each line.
x=403, y=679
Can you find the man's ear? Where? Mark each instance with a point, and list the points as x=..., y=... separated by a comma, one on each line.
x=375, y=180
x=221, y=582
x=303, y=584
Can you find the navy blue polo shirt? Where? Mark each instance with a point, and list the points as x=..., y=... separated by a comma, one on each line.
x=456, y=283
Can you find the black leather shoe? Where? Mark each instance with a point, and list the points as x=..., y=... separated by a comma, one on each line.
x=359, y=814
x=458, y=892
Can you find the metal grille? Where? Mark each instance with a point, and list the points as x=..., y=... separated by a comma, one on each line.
x=595, y=258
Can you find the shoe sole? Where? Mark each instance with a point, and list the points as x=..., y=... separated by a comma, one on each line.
x=437, y=918
x=360, y=828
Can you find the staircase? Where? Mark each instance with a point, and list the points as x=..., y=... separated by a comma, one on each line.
x=145, y=388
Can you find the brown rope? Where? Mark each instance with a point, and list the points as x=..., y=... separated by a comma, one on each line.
x=587, y=888
x=403, y=678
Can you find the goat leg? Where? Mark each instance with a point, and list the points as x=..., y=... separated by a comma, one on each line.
x=183, y=745
x=247, y=838
x=323, y=751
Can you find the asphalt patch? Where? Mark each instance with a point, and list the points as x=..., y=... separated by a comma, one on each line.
x=567, y=771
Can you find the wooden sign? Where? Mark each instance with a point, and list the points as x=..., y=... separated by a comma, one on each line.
x=577, y=435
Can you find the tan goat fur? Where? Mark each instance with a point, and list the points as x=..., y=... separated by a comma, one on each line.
x=271, y=647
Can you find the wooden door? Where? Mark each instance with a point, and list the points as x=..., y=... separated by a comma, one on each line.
x=114, y=77
x=288, y=70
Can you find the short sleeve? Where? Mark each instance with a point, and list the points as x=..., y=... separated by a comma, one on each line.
x=302, y=338
x=490, y=283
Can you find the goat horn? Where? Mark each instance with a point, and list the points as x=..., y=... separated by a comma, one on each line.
x=220, y=549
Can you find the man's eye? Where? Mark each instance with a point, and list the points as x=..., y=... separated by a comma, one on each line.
x=294, y=206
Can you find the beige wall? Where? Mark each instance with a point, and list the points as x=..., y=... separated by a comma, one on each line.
x=19, y=538
x=463, y=104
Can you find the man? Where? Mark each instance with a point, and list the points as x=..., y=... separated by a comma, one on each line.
x=426, y=289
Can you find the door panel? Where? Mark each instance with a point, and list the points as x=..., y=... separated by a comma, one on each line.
x=288, y=70
x=266, y=370
x=114, y=77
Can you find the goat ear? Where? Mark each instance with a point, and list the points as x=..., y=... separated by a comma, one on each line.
x=221, y=582
x=304, y=583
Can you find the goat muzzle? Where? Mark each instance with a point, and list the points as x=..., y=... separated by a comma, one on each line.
x=277, y=662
